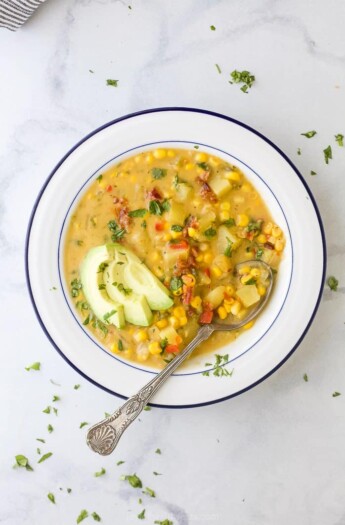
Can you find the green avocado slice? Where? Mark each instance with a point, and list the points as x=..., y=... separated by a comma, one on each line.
x=140, y=279
x=136, y=308
x=91, y=276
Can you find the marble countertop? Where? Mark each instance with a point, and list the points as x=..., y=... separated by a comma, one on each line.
x=274, y=455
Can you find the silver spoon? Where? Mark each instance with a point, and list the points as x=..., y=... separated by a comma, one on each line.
x=104, y=436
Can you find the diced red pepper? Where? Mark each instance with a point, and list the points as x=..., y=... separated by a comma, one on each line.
x=159, y=226
x=206, y=317
x=180, y=245
x=109, y=188
x=172, y=349
x=207, y=272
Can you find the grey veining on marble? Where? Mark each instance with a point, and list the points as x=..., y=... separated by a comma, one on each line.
x=275, y=455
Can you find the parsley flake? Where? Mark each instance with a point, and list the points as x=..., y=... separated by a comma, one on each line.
x=100, y=473
x=336, y=394
x=309, y=134
x=218, y=68
x=51, y=497
x=96, y=516
x=141, y=515
x=44, y=457
x=76, y=387
x=212, y=28
x=83, y=424
x=164, y=522
x=116, y=231
x=210, y=232
x=340, y=139
x=111, y=82
x=242, y=77
x=133, y=480
x=120, y=463
x=50, y=429
x=332, y=283
x=22, y=461
x=306, y=378
x=56, y=398
x=149, y=492
x=158, y=173
x=313, y=172
x=83, y=514
x=140, y=212
x=34, y=366
x=158, y=451
x=327, y=152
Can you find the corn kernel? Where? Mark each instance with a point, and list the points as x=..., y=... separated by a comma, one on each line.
x=171, y=153
x=217, y=272
x=279, y=245
x=261, y=290
x=261, y=238
x=148, y=159
x=162, y=323
x=246, y=187
x=224, y=215
x=114, y=348
x=227, y=306
x=178, y=339
x=196, y=203
x=249, y=255
x=133, y=179
x=208, y=257
x=201, y=157
x=255, y=272
x=128, y=352
x=243, y=270
x=267, y=229
x=154, y=256
x=235, y=308
x=225, y=206
x=140, y=336
x=189, y=166
x=272, y=240
x=199, y=258
x=196, y=302
x=242, y=220
x=246, y=278
x=248, y=325
x=177, y=292
x=158, y=272
x=166, y=225
x=167, y=237
x=232, y=175
x=179, y=311
x=222, y=313
x=176, y=235
x=159, y=153
x=183, y=321
x=137, y=159
x=192, y=232
x=203, y=246
x=154, y=348
x=276, y=231
x=229, y=289
x=174, y=322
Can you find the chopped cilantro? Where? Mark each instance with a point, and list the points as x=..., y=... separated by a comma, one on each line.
x=158, y=451
x=22, y=461
x=83, y=424
x=99, y=178
x=327, y=154
x=44, y=457
x=340, y=139
x=155, y=207
x=96, y=516
x=255, y=226
x=103, y=265
x=50, y=428
x=229, y=222
x=51, y=497
x=76, y=387
x=228, y=249
x=111, y=82
x=120, y=345
x=120, y=463
x=47, y=410
x=76, y=286
x=203, y=166
x=176, y=228
x=40, y=440
x=336, y=394
x=143, y=224
x=242, y=77
x=140, y=212
x=83, y=514
x=259, y=253
x=250, y=281
x=175, y=283
x=55, y=410
x=299, y=152
x=141, y=515
x=164, y=522
x=332, y=283
x=107, y=316
x=212, y=28
x=149, y=492
x=133, y=480
x=100, y=473
x=219, y=370
x=309, y=134
x=196, y=147
x=101, y=286
x=158, y=173
x=116, y=232
x=313, y=172
x=147, y=408
x=56, y=398
x=218, y=68
x=306, y=378
x=86, y=320
x=210, y=232
x=164, y=342
x=34, y=366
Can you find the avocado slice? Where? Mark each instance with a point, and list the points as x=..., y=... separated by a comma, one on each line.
x=140, y=279
x=91, y=277
x=136, y=308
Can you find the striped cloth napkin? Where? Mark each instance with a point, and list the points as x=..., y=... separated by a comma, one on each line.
x=14, y=13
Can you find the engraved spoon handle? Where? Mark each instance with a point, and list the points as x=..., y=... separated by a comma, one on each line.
x=104, y=436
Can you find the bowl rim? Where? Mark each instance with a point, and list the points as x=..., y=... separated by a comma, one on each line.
x=191, y=110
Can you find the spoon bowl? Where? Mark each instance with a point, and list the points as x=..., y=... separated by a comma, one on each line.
x=104, y=436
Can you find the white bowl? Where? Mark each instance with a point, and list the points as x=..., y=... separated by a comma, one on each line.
x=257, y=353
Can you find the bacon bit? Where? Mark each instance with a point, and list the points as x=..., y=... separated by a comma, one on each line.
x=109, y=188
x=250, y=235
x=159, y=226
x=187, y=294
x=206, y=317
x=184, y=266
x=195, y=251
x=204, y=176
x=124, y=219
x=207, y=271
x=154, y=194
x=206, y=193
x=172, y=349
x=191, y=222
x=269, y=246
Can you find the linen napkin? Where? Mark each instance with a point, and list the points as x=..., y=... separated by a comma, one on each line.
x=14, y=13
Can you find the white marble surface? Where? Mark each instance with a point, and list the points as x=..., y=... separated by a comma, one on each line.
x=275, y=455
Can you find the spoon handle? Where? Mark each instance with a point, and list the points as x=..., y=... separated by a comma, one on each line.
x=104, y=436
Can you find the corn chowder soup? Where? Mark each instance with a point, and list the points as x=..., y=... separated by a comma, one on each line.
x=151, y=250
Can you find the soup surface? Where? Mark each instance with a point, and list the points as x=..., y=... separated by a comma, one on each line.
x=190, y=218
